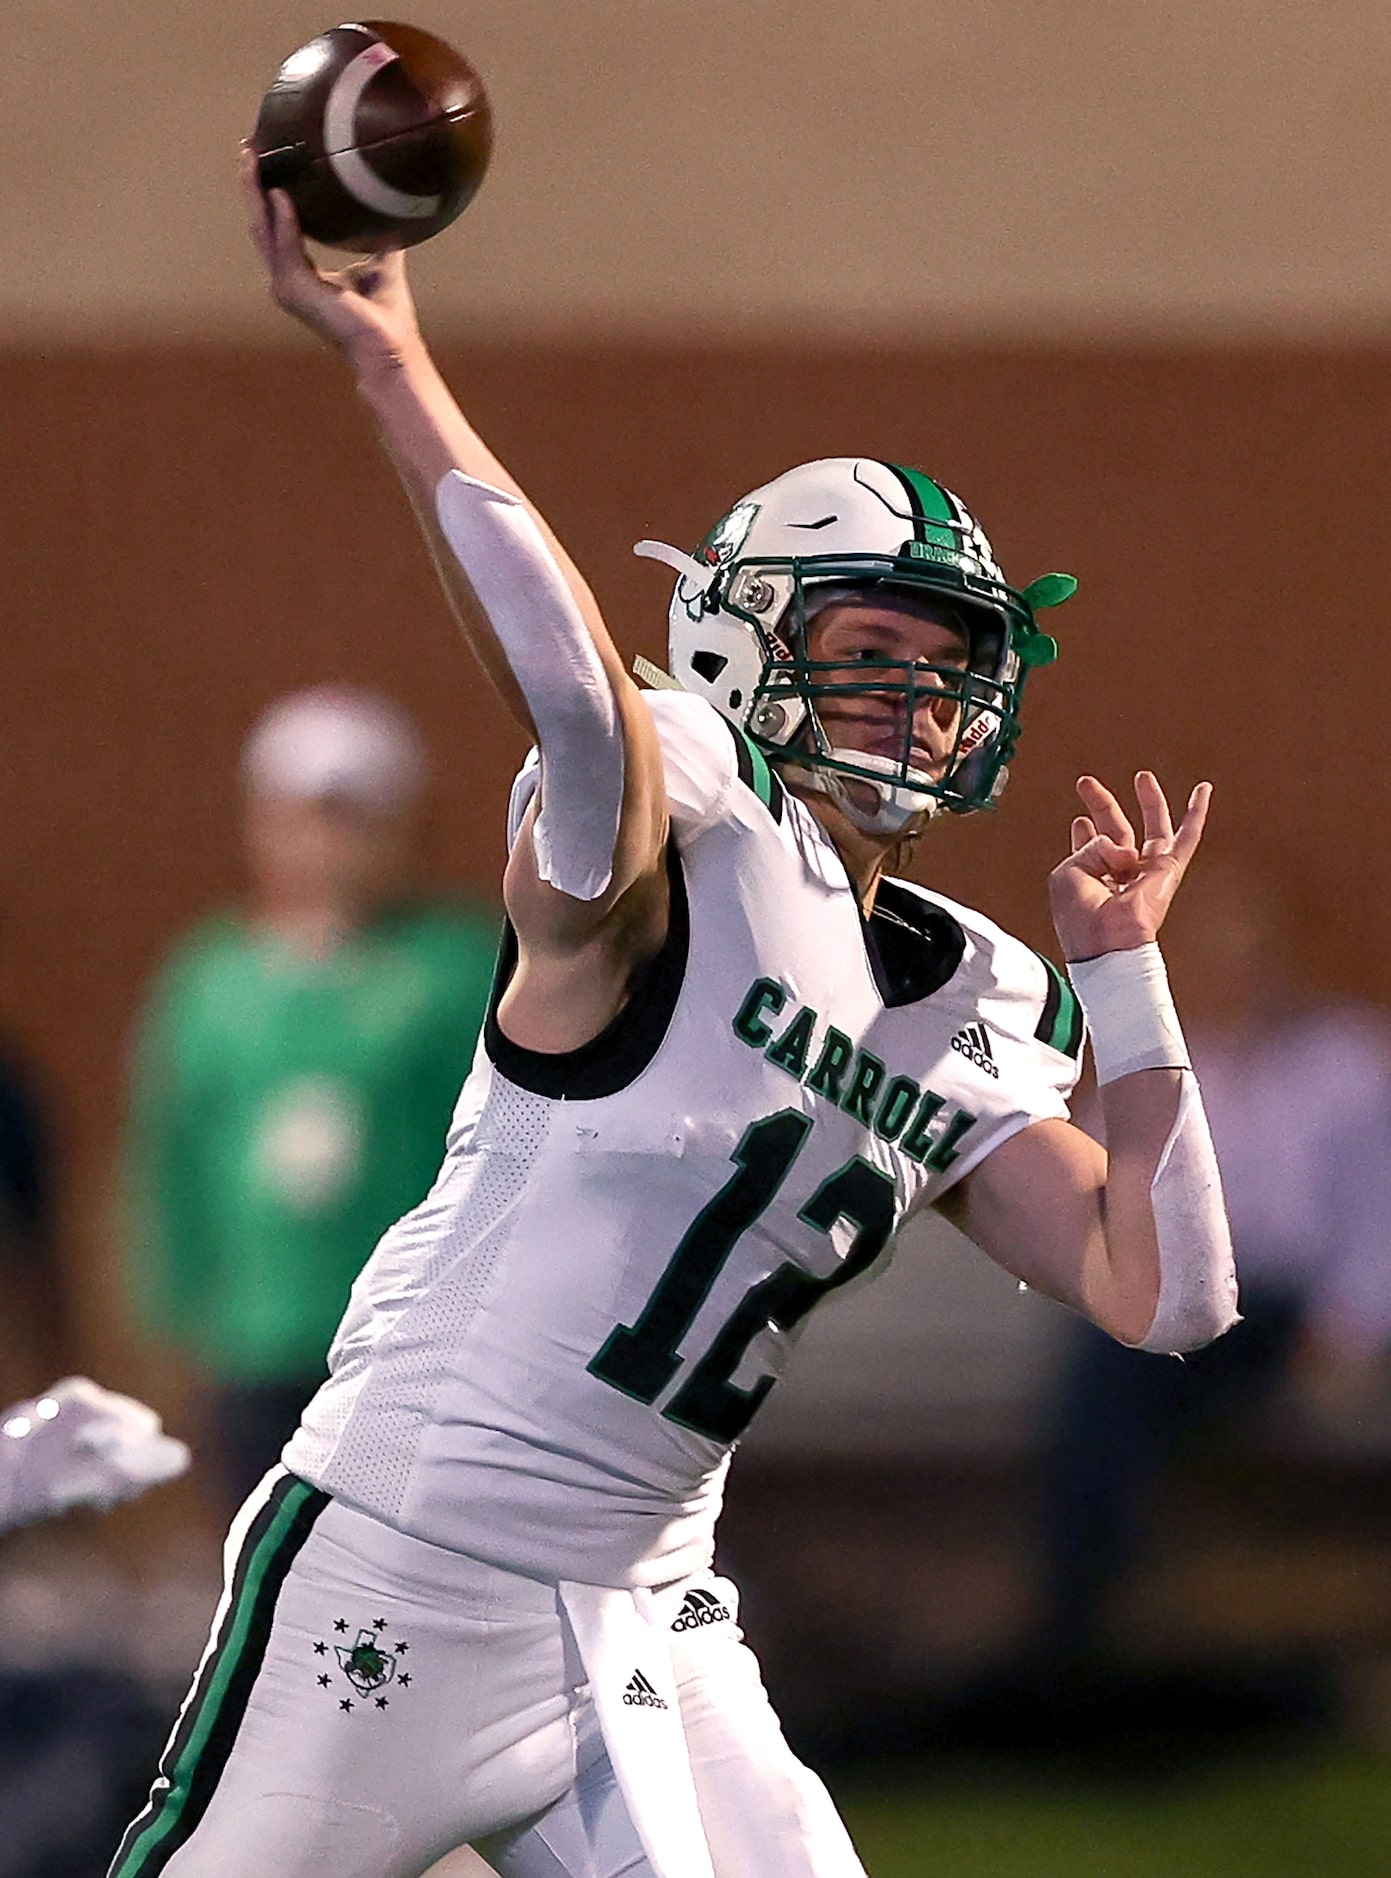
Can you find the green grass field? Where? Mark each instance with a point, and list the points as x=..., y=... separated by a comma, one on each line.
x=1323, y=1818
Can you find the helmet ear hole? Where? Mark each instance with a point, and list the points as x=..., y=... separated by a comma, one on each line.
x=708, y=665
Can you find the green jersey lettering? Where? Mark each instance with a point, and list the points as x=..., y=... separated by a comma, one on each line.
x=764, y=994
x=943, y=1152
x=900, y=1098
x=859, y=1098
x=918, y=1139
x=790, y=1050
x=837, y=1054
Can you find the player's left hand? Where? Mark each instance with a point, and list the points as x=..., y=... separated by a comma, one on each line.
x=1112, y=892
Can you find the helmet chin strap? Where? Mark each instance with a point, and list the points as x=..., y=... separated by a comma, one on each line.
x=896, y=806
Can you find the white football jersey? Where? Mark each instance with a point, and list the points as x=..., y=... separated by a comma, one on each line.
x=546, y=1364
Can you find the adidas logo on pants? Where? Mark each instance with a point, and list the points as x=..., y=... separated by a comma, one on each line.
x=699, y=1608
x=640, y=1693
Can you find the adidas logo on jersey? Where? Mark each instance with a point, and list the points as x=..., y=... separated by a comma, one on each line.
x=973, y=1042
x=641, y=1694
x=700, y=1608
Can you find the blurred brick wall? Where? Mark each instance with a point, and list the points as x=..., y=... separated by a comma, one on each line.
x=186, y=533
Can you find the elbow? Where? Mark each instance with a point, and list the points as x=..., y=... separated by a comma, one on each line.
x=1173, y=1314
x=1180, y=1327
x=1127, y=1299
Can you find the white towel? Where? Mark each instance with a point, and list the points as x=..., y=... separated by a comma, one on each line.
x=623, y=1645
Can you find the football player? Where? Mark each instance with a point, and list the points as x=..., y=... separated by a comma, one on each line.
x=727, y=1055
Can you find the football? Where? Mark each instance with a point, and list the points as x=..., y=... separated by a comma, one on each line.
x=379, y=133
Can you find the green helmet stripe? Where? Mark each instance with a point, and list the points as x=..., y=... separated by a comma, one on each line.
x=930, y=503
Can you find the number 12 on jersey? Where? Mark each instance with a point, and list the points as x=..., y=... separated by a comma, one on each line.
x=642, y=1358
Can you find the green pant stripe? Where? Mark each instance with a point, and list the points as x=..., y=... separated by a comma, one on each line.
x=198, y=1751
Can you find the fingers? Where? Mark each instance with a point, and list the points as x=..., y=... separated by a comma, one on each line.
x=1159, y=836
x=1190, y=829
x=1104, y=859
x=1154, y=813
x=1105, y=811
x=287, y=243
x=257, y=210
x=1107, y=831
x=274, y=228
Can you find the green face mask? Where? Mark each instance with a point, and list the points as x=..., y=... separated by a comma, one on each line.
x=1003, y=644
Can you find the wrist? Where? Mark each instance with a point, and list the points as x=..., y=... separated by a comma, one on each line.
x=1130, y=1013
x=378, y=363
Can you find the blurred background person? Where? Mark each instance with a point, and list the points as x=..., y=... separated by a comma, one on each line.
x=69, y=1731
x=33, y=1323
x=1301, y=1119
x=297, y=1065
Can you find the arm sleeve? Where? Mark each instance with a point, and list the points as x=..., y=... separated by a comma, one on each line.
x=548, y=647
x=1197, y=1272
x=698, y=762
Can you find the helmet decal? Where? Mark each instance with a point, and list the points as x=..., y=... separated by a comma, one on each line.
x=728, y=535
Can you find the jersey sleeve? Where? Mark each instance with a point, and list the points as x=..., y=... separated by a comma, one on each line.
x=1033, y=1006
x=699, y=760
x=1021, y=1026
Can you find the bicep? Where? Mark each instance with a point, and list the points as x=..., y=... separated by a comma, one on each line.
x=1036, y=1206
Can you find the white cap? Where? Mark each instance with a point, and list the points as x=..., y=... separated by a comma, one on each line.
x=335, y=741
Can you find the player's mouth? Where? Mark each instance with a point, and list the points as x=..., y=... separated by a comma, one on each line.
x=880, y=737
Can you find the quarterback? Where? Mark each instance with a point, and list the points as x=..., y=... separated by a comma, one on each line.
x=727, y=1054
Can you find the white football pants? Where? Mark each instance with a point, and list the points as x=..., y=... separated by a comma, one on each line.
x=368, y=1703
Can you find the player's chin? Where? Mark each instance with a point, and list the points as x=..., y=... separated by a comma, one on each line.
x=865, y=799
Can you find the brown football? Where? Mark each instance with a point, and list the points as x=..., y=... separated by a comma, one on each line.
x=380, y=134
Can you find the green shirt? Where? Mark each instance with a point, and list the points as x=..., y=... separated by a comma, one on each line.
x=285, y=1112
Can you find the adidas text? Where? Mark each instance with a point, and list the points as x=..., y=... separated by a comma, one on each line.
x=974, y=1044
x=701, y=1608
x=640, y=1693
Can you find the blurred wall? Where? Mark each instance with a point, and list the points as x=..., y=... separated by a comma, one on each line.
x=848, y=164
x=1106, y=269
x=187, y=532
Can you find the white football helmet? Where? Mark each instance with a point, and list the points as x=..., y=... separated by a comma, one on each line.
x=844, y=525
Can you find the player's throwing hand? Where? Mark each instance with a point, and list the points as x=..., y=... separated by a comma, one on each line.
x=1112, y=892
x=364, y=308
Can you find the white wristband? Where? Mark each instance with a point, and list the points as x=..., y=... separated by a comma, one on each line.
x=1130, y=1013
